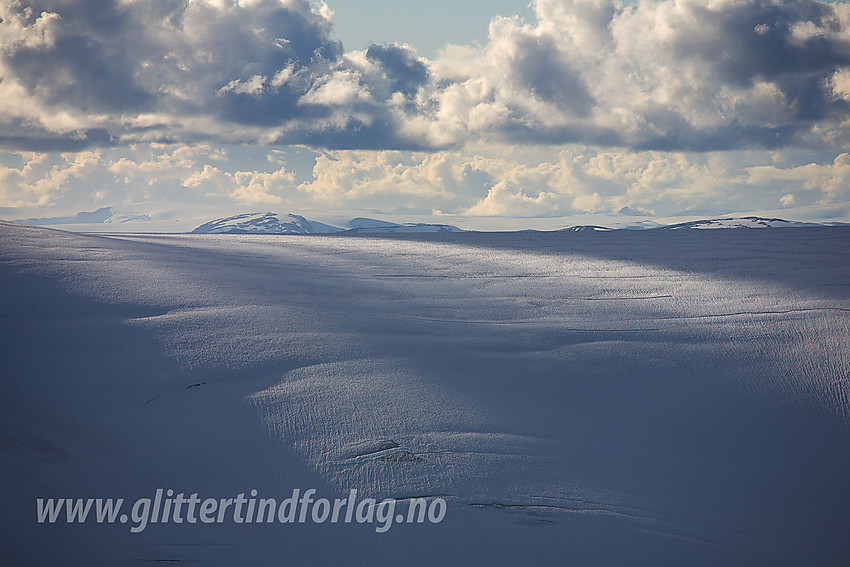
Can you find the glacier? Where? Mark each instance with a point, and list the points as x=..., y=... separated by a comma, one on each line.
x=579, y=398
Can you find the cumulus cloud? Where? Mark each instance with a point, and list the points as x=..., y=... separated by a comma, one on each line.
x=828, y=182
x=666, y=75
x=38, y=180
x=482, y=181
x=170, y=70
x=404, y=71
x=676, y=74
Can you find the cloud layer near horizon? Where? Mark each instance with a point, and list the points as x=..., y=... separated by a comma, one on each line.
x=670, y=75
x=488, y=181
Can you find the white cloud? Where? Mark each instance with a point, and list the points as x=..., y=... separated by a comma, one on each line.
x=591, y=107
x=482, y=180
x=840, y=84
x=393, y=179
x=259, y=187
x=670, y=75
x=666, y=75
x=36, y=183
x=506, y=200
x=830, y=182
x=340, y=89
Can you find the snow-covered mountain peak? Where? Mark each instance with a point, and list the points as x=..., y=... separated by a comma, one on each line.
x=264, y=223
x=272, y=223
x=739, y=222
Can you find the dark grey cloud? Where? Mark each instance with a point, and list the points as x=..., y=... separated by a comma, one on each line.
x=375, y=135
x=406, y=73
x=757, y=40
x=29, y=138
x=539, y=66
x=179, y=66
x=681, y=75
x=765, y=41
x=666, y=75
x=86, y=67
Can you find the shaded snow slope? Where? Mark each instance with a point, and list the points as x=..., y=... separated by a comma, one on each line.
x=620, y=398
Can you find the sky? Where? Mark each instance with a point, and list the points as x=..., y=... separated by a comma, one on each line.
x=466, y=111
x=427, y=26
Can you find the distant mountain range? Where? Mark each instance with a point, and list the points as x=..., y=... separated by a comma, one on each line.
x=587, y=228
x=272, y=223
x=102, y=215
x=703, y=224
x=742, y=222
x=264, y=223
x=372, y=225
x=98, y=216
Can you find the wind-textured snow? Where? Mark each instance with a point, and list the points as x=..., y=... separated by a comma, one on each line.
x=612, y=398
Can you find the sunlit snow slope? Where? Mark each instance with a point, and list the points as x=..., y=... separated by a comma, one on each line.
x=613, y=398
